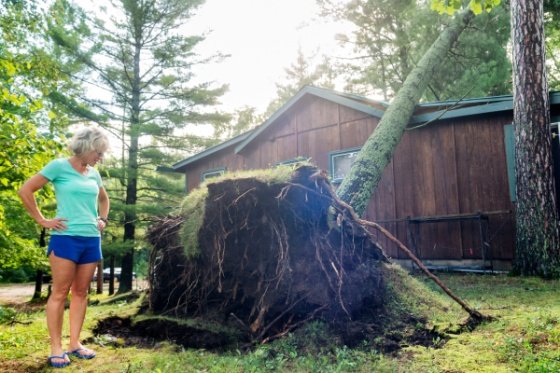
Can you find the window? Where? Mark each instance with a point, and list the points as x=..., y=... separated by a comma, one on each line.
x=340, y=163
x=212, y=173
x=510, y=159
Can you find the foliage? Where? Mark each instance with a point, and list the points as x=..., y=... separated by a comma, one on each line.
x=552, y=29
x=476, y=6
x=552, y=33
x=392, y=36
x=23, y=273
x=244, y=119
x=31, y=124
x=6, y=315
x=159, y=194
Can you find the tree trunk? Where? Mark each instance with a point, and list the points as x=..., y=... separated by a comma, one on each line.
x=99, y=280
x=112, y=275
x=357, y=187
x=39, y=274
x=537, y=251
x=127, y=265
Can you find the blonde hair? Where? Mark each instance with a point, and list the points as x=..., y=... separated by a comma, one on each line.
x=89, y=138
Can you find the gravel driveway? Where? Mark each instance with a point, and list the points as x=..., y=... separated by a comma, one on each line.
x=16, y=293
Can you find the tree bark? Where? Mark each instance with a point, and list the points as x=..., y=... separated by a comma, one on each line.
x=39, y=274
x=127, y=264
x=537, y=251
x=358, y=186
x=99, y=280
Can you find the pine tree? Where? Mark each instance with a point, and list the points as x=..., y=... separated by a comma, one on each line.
x=142, y=62
x=537, y=241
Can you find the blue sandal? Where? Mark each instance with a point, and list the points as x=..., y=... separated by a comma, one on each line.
x=79, y=355
x=58, y=365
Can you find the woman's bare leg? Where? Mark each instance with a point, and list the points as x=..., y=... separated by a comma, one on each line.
x=63, y=271
x=78, y=303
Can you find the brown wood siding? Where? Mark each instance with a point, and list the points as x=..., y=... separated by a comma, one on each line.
x=286, y=125
x=483, y=182
x=286, y=148
x=452, y=167
x=437, y=171
x=349, y=115
x=316, y=113
x=354, y=133
x=318, y=144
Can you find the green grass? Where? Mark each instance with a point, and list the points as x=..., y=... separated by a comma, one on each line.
x=525, y=337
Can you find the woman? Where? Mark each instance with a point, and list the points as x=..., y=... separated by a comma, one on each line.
x=75, y=245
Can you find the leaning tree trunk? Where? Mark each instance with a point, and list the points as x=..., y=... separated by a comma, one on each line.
x=357, y=187
x=537, y=251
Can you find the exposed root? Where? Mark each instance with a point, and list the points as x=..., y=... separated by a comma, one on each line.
x=269, y=256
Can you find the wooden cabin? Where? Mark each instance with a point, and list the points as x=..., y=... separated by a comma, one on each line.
x=448, y=193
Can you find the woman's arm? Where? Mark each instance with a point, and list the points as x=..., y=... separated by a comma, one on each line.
x=27, y=195
x=103, y=206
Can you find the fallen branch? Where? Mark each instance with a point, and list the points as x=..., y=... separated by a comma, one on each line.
x=472, y=312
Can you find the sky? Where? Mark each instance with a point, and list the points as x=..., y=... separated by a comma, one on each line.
x=262, y=37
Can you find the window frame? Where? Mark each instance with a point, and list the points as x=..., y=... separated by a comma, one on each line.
x=219, y=171
x=333, y=155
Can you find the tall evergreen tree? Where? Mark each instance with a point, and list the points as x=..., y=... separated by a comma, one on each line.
x=537, y=236
x=142, y=61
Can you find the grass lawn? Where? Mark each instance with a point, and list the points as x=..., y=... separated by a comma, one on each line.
x=524, y=337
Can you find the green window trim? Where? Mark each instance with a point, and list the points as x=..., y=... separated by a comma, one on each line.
x=208, y=174
x=335, y=170
x=509, y=140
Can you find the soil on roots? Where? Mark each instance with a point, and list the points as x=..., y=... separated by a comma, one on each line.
x=269, y=259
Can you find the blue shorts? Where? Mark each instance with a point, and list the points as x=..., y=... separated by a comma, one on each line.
x=80, y=250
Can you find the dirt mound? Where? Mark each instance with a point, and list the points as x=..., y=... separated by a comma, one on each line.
x=270, y=256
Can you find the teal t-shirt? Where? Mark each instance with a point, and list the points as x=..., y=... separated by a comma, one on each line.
x=76, y=197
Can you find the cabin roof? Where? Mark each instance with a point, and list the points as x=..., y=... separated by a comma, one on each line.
x=424, y=112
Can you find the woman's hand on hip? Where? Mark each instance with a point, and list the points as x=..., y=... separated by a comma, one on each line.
x=58, y=224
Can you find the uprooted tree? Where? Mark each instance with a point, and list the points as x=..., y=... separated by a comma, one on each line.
x=263, y=255
x=266, y=255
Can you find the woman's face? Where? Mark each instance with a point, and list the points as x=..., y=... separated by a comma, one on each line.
x=93, y=157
